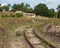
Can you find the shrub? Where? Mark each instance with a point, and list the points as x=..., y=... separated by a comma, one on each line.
x=12, y=15
x=19, y=15
x=4, y=15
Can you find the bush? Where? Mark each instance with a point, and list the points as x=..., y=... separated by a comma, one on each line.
x=19, y=15
x=4, y=15
x=12, y=15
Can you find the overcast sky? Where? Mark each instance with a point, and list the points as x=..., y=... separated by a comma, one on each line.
x=49, y=3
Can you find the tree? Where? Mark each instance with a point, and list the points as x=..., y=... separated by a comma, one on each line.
x=51, y=13
x=0, y=4
x=22, y=7
x=9, y=5
x=30, y=10
x=17, y=7
x=0, y=8
x=14, y=7
x=41, y=9
x=5, y=7
x=58, y=11
x=27, y=8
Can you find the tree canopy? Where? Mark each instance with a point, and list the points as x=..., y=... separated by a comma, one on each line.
x=22, y=7
x=51, y=13
x=41, y=9
x=5, y=7
x=58, y=11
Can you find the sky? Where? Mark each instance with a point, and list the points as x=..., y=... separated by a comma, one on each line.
x=49, y=3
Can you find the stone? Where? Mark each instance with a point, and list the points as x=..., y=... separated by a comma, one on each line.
x=52, y=29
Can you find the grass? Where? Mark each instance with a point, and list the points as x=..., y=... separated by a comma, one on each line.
x=9, y=24
x=45, y=22
x=41, y=25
